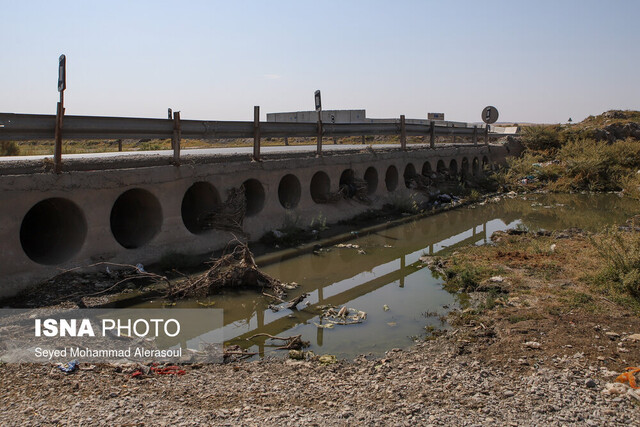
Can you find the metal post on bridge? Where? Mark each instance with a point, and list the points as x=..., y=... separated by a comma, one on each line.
x=256, y=133
x=403, y=133
x=62, y=85
x=318, y=102
x=175, y=139
x=475, y=135
x=432, y=135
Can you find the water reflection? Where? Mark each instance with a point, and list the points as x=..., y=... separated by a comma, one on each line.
x=389, y=273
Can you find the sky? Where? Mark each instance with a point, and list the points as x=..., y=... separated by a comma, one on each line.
x=535, y=61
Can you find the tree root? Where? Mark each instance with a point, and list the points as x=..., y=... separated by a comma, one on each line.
x=229, y=216
x=236, y=269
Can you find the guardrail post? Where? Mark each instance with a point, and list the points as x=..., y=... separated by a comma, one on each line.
x=403, y=133
x=256, y=133
x=319, y=143
x=175, y=139
x=432, y=135
x=475, y=135
x=57, y=151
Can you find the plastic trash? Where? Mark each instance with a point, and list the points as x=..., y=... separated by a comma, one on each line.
x=629, y=377
x=168, y=370
x=140, y=268
x=68, y=367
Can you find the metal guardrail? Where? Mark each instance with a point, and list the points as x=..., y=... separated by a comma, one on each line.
x=25, y=127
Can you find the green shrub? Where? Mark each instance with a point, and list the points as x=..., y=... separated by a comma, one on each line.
x=621, y=253
x=541, y=138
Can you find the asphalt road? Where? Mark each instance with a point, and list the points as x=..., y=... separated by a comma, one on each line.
x=231, y=151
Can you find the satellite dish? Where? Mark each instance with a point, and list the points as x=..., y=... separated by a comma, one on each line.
x=490, y=115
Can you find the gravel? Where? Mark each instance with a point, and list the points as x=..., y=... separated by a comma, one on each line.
x=427, y=384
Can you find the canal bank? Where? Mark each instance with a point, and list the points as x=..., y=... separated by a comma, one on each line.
x=522, y=353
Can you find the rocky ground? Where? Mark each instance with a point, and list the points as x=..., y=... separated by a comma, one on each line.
x=428, y=384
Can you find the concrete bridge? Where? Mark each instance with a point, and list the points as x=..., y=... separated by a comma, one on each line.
x=135, y=211
x=130, y=209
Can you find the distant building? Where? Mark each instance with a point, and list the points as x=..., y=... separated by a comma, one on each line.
x=351, y=116
x=328, y=116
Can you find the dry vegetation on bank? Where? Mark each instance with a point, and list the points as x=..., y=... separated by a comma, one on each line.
x=602, y=153
x=565, y=292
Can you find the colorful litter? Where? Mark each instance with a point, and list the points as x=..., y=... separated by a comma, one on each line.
x=159, y=370
x=68, y=367
x=629, y=377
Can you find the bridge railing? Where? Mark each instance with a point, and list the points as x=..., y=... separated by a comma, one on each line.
x=26, y=127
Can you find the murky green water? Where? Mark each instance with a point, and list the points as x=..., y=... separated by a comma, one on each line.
x=389, y=273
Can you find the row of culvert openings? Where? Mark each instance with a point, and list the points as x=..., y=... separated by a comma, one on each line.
x=54, y=229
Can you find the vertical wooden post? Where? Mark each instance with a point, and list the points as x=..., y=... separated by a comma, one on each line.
x=364, y=139
x=403, y=133
x=286, y=140
x=175, y=140
x=432, y=135
x=319, y=143
x=256, y=133
x=475, y=135
x=119, y=145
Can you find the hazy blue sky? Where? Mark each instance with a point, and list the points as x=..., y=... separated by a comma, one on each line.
x=536, y=61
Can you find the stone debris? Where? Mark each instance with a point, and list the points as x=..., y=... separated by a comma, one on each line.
x=427, y=384
x=634, y=337
x=532, y=344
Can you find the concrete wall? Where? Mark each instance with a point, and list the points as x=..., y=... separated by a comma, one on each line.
x=136, y=215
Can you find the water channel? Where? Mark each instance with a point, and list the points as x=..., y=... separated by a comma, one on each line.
x=384, y=277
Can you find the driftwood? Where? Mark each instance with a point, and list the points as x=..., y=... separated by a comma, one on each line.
x=357, y=189
x=334, y=197
x=233, y=270
x=420, y=182
x=234, y=353
x=361, y=191
x=229, y=216
x=291, y=305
